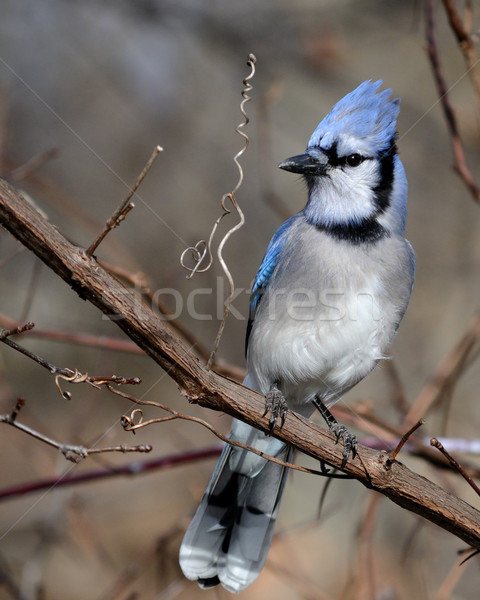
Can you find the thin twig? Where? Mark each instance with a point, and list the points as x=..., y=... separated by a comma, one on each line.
x=471, y=554
x=7, y=581
x=365, y=580
x=126, y=205
x=448, y=372
x=133, y=468
x=390, y=433
x=393, y=455
x=65, y=374
x=446, y=589
x=400, y=398
x=58, y=199
x=33, y=164
x=140, y=283
x=120, y=345
x=81, y=339
x=130, y=469
x=71, y=452
x=466, y=42
x=442, y=88
x=5, y=333
x=437, y=444
x=463, y=445
x=6, y=259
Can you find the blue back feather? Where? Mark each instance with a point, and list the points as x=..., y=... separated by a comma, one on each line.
x=269, y=262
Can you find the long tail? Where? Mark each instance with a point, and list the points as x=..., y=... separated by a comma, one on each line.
x=229, y=537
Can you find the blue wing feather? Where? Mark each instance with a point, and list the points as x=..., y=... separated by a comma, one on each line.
x=264, y=274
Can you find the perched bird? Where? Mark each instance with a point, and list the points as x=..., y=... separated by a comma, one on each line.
x=326, y=302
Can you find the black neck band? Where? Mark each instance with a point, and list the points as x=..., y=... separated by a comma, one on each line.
x=368, y=230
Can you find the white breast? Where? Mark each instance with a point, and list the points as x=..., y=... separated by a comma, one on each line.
x=325, y=321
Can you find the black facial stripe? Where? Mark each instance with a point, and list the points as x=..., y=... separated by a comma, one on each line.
x=332, y=153
x=334, y=160
x=383, y=189
x=368, y=230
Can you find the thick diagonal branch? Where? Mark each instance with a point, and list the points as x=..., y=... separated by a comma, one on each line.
x=211, y=390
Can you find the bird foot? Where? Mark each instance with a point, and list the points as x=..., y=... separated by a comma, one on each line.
x=350, y=444
x=276, y=405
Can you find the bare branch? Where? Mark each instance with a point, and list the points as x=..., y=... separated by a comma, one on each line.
x=32, y=165
x=140, y=282
x=391, y=433
x=393, y=455
x=7, y=581
x=209, y=389
x=122, y=345
x=436, y=444
x=57, y=198
x=71, y=452
x=81, y=339
x=74, y=376
x=5, y=333
x=126, y=206
x=448, y=372
x=446, y=589
x=465, y=41
x=130, y=469
x=432, y=49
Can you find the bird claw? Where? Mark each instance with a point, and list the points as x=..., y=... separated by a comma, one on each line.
x=276, y=405
x=350, y=444
x=324, y=468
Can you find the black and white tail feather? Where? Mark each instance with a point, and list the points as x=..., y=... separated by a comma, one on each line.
x=229, y=537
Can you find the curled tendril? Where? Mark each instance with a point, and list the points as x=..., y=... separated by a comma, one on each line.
x=203, y=249
x=75, y=377
x=133, y=420
x=247, y=87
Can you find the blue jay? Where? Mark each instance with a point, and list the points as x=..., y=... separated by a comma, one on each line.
x=325, y=304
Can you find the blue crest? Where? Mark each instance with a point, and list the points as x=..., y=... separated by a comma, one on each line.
x=364, y=114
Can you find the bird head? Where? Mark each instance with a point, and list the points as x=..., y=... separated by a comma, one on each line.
x=351, y=165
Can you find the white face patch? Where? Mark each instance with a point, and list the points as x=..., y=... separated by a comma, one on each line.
x=345, y=195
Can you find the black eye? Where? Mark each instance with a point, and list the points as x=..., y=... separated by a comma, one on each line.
x=353, y=160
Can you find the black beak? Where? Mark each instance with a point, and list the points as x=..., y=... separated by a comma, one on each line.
x=304, y=164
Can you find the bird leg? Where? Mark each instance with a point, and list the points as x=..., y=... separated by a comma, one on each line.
x=275, y=404
x=350, y=444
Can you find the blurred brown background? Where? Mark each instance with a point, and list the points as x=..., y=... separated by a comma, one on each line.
x=104, y=83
